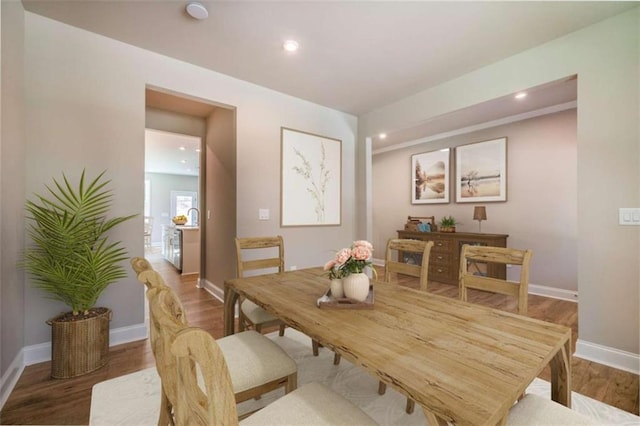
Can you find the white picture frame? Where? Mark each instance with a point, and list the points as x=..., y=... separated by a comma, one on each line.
x=430, y=177
x=481, y=171
x=311, y=179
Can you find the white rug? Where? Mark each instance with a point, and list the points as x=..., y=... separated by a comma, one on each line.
x=137, y=394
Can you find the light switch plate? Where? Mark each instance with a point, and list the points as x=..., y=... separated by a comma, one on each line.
x=629, y=216
x=263, y=214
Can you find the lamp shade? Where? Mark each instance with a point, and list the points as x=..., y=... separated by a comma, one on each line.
x=479, y=213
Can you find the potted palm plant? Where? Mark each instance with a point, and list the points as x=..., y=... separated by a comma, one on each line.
x=72, y=259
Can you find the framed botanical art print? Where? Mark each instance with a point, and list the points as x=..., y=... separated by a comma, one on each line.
x=430, y=180
x=311, y=179
x=481, y=172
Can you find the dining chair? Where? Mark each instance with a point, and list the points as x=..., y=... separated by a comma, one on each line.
x=406, y=257
x=148, y=228
x=535, y=410
x=257, y=365
x=249, y=313
x=211, y=402
x=472, y=255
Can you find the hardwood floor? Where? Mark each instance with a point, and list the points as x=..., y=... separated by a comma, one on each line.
x=39, y=399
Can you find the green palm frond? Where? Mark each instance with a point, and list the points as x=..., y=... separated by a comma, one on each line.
x=71, y=257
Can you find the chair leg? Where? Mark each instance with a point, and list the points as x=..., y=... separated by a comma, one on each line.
x=382, y=388
x=315, y=345
x=241, y=322
x=336, y=359
x=258, y=328
x=411, y=405
x=292, y=383
x=281, y=332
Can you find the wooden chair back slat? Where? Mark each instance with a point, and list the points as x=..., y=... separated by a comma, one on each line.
x=393, y=266
x=253, y=243
x=508, y=256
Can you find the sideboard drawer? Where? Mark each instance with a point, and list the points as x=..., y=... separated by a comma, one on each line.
x=443, y=246
x=438, y=258
x=439, y=273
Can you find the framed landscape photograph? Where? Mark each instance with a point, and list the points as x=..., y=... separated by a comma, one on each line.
x=481, y=172
x=430, y=179
x=311, y=179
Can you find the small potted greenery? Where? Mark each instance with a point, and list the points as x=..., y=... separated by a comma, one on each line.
x=448, y=224
x=72, y=259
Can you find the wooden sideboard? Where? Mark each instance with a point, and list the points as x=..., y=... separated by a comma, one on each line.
x=444, y=261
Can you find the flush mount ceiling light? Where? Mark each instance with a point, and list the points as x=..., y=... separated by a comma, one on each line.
x=521, y=95
x=382, y=135
x=197, y=10
x=290, y=45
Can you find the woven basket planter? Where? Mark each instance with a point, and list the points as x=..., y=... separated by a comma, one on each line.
x=79, y=347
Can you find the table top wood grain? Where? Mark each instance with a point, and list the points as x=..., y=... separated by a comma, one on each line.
x=464, y=363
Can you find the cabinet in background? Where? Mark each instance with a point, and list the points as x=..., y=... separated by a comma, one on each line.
x=181, y=247
x=444, y=261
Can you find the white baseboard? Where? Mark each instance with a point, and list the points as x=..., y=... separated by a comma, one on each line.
x=554, y=293
x=11, y=377
x=212, y=289
x=42, y=352
x=612, y=357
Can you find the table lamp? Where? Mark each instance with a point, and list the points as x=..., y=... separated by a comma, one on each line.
x=479, y=214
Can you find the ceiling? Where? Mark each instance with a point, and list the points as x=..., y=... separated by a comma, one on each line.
x=354, y=56
x=171, y=153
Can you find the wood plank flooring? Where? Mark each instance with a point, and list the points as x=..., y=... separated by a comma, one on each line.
x=39, y=399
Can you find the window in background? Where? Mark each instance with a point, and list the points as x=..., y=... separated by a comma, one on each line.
x=181, y=202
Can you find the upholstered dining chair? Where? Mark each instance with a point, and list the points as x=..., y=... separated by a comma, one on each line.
x=419, y=251
x=213, y=403
x=471, y=255
x=251, y=314
x=256, y=364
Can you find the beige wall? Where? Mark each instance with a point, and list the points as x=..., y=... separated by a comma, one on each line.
x=86, y=108
x=540, y=213
x=220, y=191
x=11, y=191
x=605, y=57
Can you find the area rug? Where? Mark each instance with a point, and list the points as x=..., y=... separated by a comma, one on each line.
x=137, y=394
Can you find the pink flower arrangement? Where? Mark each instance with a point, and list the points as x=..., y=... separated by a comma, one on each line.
x=351, y=260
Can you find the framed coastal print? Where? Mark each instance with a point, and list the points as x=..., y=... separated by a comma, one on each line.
x=430, y=180
x=311, y=179
x=481, y=172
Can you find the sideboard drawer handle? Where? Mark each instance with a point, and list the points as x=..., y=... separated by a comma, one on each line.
x=439, y=270
x=439, y=244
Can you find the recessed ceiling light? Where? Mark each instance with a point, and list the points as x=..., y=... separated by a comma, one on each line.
x=181, y=148
x=197, y=10
x=382, y=135
x=521, y=95
x=197, y=149
x=183, y=161
x=290, y=45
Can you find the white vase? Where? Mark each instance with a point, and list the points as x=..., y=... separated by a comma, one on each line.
x=336, y=288
x=356, y=286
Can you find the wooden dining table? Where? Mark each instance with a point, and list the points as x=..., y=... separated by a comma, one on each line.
x=463, y=363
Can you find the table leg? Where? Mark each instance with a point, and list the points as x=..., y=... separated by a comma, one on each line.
x=230, y=299
x=561, y=375
x=432, y=419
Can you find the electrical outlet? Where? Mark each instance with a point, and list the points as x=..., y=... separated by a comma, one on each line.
x=263, y=214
